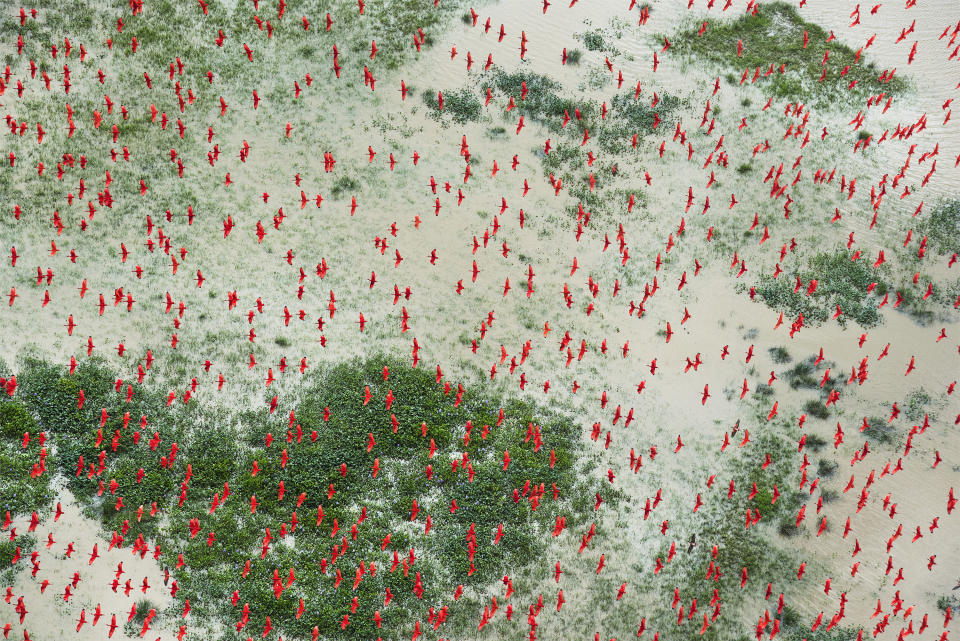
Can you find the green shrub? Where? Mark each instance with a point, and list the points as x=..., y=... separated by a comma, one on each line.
x=775, y=35
x=826, y=468
x=788, y=527
x=593, y=40
x=840, y=281
x=780, y=355
x=222, y=447
x=801, y=376
x=942, y=228
x=463, y=106
x=629, y=116
x=816, y=409
x=543, y=103
x=15, y=420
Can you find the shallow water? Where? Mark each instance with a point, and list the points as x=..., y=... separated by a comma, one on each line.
x=347, y=118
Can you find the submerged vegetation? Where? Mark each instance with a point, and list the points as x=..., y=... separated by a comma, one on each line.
x=543, y=102
x=22, y=488
x=335, y=485
x=942, y=228
x=462, y=106
x=774, y=35
x=629, y=115
x=839, y=282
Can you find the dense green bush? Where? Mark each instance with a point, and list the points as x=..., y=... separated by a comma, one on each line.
x=543, y=102
x=19, y=492
x=629, y=116
x=775, y=34
x=840, y=281
x=593, y=40
x=462, y=106
x=942, y=228
x=335, y=423
x=816, y=409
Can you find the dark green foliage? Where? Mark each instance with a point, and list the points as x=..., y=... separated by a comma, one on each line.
x=593, y=40
x=574, y=56
x=333, y=426
x=15, y=420
x=815, y=442
x=816, y=409
x=788, y=527
x=942, y=228
x=8, y=549
x=462, y=106
x=879, y=431
x=948, y=601
x=52, y=397
x=780, y=355
x=826, y=467
x=563, y=155
x=21, y=492
x=763, y=391
x=343, y=186
x=801, y=375
x=775, y=35
x=840, y=281
x=629, y=116
x=543, y=102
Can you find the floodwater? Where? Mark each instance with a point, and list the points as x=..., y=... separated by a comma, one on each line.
x=349, y=119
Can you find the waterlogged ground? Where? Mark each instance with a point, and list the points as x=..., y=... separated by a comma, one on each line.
x=405, y=319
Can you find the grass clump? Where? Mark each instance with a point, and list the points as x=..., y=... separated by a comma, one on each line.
x=593, y=40
x=840, y=281
x=816, y=442
x=462, y=106
x=787, y=527
x=801, y=375
x=775, y=34
x=826, y=467
x=629, y=116
x=816, y=409
x=942, y=228
x=574, y=56
x=326, y=466
x=344, y=185
x=879, y=430
x=948, y=601
x=917, y=404
x=543, y=102
x=780, y=355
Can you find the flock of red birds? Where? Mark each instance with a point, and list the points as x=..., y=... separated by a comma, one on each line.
x=88, y=204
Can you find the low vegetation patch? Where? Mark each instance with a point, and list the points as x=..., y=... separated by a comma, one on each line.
x=461, y=106
x=840, y=282
x=380, y=479
x=774, y=34
x=942, y=228
x=543, y=102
